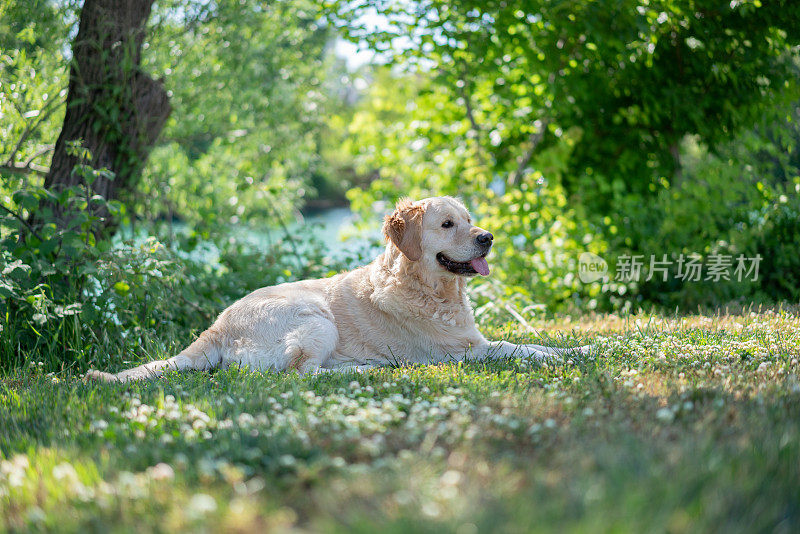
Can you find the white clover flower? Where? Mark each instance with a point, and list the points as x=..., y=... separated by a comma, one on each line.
x=131, y=485
x=287, y=460
x=98, y=425
x=665, y=414
x=201, y=504
x=245, y=419
x=225, y=424
x=15, y=469
x=161, y=471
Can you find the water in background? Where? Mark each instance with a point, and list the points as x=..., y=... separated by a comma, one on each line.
x=331, y=232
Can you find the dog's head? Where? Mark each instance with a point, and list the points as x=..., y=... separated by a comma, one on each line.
x=438, y=232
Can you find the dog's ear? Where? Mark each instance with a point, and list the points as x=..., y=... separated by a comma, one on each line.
x=403, y=227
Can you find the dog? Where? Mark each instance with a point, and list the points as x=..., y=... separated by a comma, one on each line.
x=409, y=305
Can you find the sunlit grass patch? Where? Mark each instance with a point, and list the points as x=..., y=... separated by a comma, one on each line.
x=676, y=423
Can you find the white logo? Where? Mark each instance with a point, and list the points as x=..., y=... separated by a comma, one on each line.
x=591, y=267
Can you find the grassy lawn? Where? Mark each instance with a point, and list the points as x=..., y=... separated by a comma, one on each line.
x=673, y=424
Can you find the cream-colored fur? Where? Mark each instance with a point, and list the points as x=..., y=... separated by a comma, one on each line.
x=404, y=307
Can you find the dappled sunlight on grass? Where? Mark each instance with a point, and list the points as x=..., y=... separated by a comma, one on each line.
x=671, y=423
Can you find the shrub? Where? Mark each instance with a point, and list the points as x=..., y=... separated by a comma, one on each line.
x=71, y=296
x=776, y=238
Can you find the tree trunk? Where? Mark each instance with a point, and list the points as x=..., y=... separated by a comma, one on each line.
x=113, y=108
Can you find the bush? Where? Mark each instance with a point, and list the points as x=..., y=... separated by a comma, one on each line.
x=65, y=290
x=777, y=240
x=70, y=295
x=538, y=241
x=733, y=201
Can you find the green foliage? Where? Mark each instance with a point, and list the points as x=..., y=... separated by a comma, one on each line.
x=33, y=80
x=538, y=239
x=723, y=202
x=236, y=149
x=626, y=81
x=617, y=129
x=70, y=297
x=777, y=240
x=250, y=95
x=46, y=271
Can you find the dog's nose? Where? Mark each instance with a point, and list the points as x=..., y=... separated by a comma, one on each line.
x=484, y=239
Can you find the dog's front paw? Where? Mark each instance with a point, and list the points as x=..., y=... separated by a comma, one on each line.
x=99, y=376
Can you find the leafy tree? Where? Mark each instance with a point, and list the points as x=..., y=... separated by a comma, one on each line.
x=251, y=92
x=250, y=85
x=113, y=108
x=33, y=79
x=625, y=81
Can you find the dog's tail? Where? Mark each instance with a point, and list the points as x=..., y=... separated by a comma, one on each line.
x=204, y=353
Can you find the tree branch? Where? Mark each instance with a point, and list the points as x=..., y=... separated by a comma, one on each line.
x=522, y=163
x=30, y=127
x=41, y=152
x=24, y=222
x=476, y=128
x=29, y=168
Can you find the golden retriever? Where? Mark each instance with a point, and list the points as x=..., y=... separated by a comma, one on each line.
x=409, y=305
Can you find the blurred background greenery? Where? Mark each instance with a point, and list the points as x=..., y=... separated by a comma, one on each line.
x=619, y=128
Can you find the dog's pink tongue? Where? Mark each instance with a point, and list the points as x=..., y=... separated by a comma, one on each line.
x=480, y=265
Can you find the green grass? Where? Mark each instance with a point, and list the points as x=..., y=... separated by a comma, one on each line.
x=675, y=424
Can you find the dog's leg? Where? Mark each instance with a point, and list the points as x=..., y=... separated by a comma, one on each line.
x=496, y=350
x=204, y=353
x=504, y=349
x=309, y=346
x=346, y=367
x=582, y=350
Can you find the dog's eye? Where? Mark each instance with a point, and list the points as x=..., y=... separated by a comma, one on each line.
x=447, y=224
